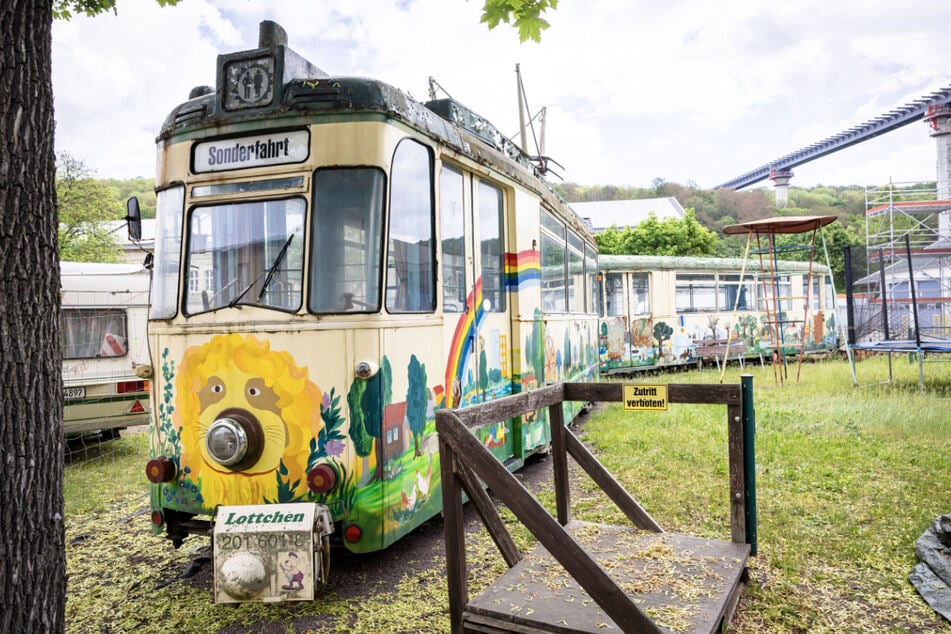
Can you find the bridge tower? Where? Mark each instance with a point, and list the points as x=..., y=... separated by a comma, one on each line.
x=938, y=118
x=781, y=178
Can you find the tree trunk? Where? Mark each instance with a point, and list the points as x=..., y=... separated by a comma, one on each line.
x=32, y=550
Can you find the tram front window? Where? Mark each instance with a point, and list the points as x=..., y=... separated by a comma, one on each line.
x=346, y=235
x=248, y=253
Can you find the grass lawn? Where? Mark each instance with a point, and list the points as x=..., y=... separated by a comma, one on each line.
x=847, y=479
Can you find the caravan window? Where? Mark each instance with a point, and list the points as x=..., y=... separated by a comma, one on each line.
x=90, y=333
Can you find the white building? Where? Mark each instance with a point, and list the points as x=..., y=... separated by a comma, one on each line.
x=600, y=215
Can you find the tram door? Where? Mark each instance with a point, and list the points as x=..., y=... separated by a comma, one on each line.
x=476, y=306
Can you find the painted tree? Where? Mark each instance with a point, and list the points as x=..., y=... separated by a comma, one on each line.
x=362, y=441
x=535, y=348
x=417, y=401
x=483, y=369
x=568, y=358
x=387, y=373
x=662, y=333
x=372, y=405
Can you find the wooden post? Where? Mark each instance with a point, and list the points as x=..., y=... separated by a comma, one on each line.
x=737, y=479
x=559, y=458
x=455, y=538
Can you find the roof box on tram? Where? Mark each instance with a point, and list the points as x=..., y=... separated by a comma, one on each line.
x=253, y=81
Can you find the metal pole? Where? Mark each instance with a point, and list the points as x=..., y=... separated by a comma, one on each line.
x=749, y=458
x=914, y=311
x=849, y=313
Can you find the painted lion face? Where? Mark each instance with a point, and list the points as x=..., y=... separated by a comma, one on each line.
x=240, y=379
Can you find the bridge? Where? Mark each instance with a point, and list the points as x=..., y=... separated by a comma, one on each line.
x=935, y=108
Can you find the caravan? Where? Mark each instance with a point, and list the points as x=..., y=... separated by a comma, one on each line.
x=105, y=352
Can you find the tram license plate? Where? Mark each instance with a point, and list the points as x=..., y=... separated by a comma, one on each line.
x=74, y=393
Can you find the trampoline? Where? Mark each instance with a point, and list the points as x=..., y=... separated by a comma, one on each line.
x=894, y=307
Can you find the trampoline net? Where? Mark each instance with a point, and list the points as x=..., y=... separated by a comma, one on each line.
x=894, y=295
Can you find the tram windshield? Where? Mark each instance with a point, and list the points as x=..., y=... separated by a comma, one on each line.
x=247, y=253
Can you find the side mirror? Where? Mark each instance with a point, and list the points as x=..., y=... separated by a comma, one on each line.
x=134, y=219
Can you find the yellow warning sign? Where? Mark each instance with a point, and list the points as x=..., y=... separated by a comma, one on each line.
x=650, y=397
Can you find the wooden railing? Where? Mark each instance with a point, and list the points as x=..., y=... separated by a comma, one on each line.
x=466, y=464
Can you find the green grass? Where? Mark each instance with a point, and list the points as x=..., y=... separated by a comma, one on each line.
x=100, y=473
x=847, y=479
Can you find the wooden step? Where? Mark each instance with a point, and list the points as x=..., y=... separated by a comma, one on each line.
x=683, y=583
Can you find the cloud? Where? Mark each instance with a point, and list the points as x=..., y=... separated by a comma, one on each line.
x=635, y=90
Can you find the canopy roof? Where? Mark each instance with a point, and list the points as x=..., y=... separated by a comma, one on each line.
x=780, y=224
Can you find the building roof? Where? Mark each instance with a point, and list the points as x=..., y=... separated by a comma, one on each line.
x=600, y=215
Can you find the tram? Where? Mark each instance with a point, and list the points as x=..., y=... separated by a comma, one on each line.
x=335, y=261
x=665, y=311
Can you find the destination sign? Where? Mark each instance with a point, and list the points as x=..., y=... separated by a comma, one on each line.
x=253, y=151
x=645, y=397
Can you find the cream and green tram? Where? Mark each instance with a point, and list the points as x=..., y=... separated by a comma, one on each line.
x=664, y=311
x=333, y=263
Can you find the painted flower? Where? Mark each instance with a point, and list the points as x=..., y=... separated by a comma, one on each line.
x=334, y=448
x=325, y=402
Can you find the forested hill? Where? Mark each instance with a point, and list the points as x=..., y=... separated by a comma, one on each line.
x=143, y=188
x=717, y=208
x=714, y=208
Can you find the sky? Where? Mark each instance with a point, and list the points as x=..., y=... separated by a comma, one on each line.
x=688, y=91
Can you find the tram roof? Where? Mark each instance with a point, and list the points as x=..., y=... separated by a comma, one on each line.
x=780, y=224
x=302, y=93
x=619, y=263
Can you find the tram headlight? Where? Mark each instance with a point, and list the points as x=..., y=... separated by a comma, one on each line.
x=235, y=439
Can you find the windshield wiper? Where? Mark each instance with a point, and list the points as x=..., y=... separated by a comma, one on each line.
x=271, y=271
x=269, y=276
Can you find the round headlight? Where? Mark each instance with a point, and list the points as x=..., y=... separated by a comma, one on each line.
x=227, y=441
x=235, y=440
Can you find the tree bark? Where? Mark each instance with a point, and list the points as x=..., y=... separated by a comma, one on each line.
x=32, y=549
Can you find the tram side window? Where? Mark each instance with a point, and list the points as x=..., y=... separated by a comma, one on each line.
x=695, y=293
x=169, y=206
x=346, y=240
x=410, y=266
x=553, y=257
x=591, y=271
x=575, y=274
x=830, y=294
x=813, y=296
x=253, y=251
x=91, y=333
x=733, y=293
x=614, y=294
x=492, y=251
x=784, y=293
x=640, y=293
x=453, y=241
